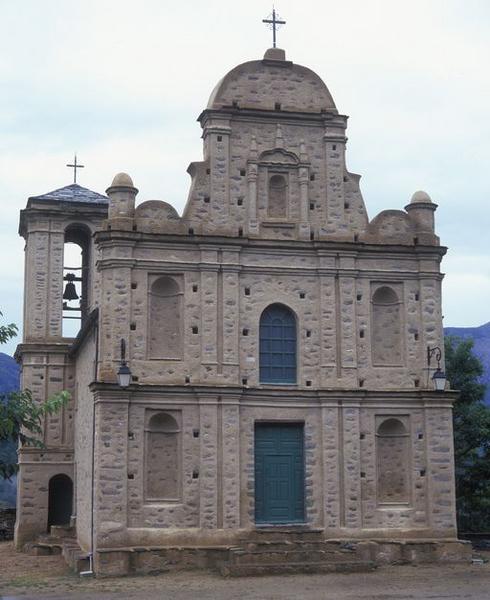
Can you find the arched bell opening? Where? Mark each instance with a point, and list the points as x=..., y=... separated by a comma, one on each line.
x=75, y=278
x=60, y=500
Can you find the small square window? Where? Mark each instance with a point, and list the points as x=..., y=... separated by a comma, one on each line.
x=243, y=172
x=247, y=291
x=245, y=332
x=302, y=295
x=239, y=201
x=134, y=285
x=220, y=138
x=195, y=330
x=277, y=106
x=195, y=287
x=312, y=177
x=312, y=206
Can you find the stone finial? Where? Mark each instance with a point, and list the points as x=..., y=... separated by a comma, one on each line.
x=275, y=54
x=122, y=196
x=122, y=180
x=421, y=211
x=279, y=138
x=421, y=197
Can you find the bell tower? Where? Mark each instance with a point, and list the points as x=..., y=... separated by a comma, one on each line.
x=60, y=291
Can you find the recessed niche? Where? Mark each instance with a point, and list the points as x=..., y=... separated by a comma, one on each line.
x=195, y=287
x=312, y=206
x=415, y=336
x=135, y=378
x=420, y=436
x=208, y=171
x=312, y=235
x=361, y=333
x=422, y=472
x=195, y=433
x=220, y=138
x=277, y=106
x=132, y=327
x=308, y=333
x=346, y=205
x=243, y=172
x=346, y=179
x=134, y=286
x=130, y=475
x=195, y=474
x=361, y=382
x=240, y=232
x=363, y=475
x=244, y=381
x=187, y=379
x=239, y=201
x=191, y=231
x=247, y=291
x=195, y=329
x=302, y=295
x=416, y=382
x=334, y=146
x=312, y=177
x=359, y=297
x=308, y=383
x=417, y=297
x=245, y=332
x=362, y=436
x=206, y=199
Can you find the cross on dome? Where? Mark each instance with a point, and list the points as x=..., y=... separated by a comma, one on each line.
x=273, y=20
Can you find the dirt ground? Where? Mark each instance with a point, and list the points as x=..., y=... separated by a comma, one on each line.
x=47, y=577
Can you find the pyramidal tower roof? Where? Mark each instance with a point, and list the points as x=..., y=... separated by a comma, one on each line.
x=73, y=193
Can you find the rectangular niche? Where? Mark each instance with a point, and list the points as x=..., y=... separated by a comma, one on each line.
x=387, y=325
x=163, y=456
x=165, y=317
x=393, y=460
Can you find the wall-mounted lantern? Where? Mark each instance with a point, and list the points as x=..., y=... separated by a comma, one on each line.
x=439, y=377
x=124, y=373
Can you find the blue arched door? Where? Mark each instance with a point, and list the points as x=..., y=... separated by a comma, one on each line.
x=277, y=351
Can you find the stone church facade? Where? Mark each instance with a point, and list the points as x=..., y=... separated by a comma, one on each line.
x=276, y=338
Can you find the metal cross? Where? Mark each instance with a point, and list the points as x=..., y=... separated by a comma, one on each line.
x=273, y=24
x=75, y=166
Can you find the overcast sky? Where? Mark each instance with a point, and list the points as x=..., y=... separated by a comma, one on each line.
x=122, y=83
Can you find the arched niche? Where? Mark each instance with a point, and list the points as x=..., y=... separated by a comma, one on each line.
x=76, y=275
x=165, y=319
x=277, y=204
x=386, y=338
x=277, y=345
x=393, y=462
x=60, y=500
x=162, y=458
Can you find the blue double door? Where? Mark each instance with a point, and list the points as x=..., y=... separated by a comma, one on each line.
x=279, y=473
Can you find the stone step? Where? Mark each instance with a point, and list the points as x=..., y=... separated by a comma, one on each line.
x=245, y=557
x=284, y=533
x=287, y=545
x=62, y=531
x=230, y=570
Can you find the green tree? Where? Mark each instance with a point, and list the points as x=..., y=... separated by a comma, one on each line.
x=471, y=419
x=21, y=416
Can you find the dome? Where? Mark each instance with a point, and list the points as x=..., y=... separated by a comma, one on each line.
x=122, y=180
x=272, y=84
x=421, y=196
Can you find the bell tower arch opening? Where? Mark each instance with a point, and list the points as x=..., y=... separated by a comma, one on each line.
x=76, y=258
x=60, y=500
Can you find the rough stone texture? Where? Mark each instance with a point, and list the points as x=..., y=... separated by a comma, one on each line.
x=273, y=216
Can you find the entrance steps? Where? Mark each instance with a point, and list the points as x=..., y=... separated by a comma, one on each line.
x=60, y=540
x=282, y=552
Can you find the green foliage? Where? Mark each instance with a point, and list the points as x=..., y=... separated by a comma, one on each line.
x=21, y=417
x=7, y=332
x=471, y=420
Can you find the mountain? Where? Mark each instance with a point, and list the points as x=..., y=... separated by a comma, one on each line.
x=9, y=382
x=9, y=374
x=481, y=340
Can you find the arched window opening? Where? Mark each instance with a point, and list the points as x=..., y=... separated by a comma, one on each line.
x=277, y=345
x=162, y=459
x=387, y=328
x=392, y=451
x=277, y=205
x=60, y=500
x=75, y=279
x=165, y=321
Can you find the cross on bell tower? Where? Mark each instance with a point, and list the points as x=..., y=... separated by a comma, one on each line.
x=274, y=22
x=75, y=166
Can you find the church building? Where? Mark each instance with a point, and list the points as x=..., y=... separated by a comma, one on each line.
x=256, y=372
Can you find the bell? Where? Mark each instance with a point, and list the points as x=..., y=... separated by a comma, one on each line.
x=70, y=292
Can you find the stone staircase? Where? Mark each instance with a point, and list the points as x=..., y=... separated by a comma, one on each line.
x=60, y=540
x=274, y=552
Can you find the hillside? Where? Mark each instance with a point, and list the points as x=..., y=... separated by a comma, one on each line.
x=9, y=381
x=481, y=338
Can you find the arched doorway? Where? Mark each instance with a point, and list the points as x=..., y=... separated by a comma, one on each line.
x=60, y=500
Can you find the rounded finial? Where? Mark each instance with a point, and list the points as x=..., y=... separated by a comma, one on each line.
x=421, y=197
x=122, y=180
